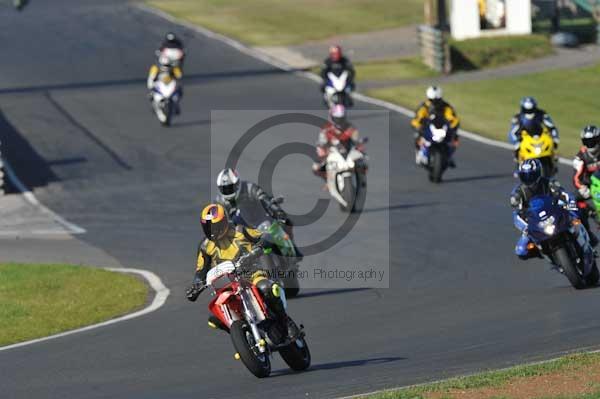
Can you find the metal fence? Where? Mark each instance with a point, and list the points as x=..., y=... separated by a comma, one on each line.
x=435, y=49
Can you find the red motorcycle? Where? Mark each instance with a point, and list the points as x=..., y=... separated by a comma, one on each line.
x=255, y=331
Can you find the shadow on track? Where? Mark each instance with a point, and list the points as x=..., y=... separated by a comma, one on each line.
x=330, y=292
x=200, y=122
x=31, y=168
x=343, y=365
x=399, y=207
x=187, y=79
x=480, y=177
x=89, y=134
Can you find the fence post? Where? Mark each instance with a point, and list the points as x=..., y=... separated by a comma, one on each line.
x=2, y=189
x=435, y=50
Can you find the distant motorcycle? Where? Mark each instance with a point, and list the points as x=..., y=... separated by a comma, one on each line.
x=337, y=89
x=346, y=171
x=164, y=98
x=563, y=240
x=539, y=145
x=254, y=330
x=436, y=147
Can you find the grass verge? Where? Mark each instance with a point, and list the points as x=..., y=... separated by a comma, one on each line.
x=492, y=52
x=569, y=377
x=276, y=22
x=41, y=300
x=403, y=68
x=486, y=107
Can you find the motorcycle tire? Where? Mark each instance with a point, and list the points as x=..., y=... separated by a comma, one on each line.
x=296, y=355
x=348, y=193
x=168, y=115
x=361, y=192
x=243, y=342
x=436, y=162
x=563, y=259
x=592, y=278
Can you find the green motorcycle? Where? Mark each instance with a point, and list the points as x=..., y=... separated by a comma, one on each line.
x=284, y=261
x=595, y=194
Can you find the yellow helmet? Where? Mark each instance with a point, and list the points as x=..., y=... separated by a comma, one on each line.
x=214, y=221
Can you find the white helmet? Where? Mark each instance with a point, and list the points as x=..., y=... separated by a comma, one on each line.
x=228, y=183
x=434, y=93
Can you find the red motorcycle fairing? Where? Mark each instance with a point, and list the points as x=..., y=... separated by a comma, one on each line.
x=227, y=306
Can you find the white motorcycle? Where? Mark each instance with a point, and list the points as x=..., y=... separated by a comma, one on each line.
x=337, y=89
x=347, y=175
x=164, y=98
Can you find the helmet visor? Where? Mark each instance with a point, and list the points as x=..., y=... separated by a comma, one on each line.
x=214, y=231
x=530, y=178
x=591, y=142
x=229, y=189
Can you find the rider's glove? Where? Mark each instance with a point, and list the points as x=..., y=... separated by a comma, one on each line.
x=194, y=291
x=584, y=191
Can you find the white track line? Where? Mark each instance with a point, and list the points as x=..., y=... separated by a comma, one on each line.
x=255, y=53
x=401, y=388
x=33, y=201
x=159, y=300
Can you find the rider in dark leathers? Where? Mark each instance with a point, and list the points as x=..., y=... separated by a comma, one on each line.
x=533, y=184
x=337, y=63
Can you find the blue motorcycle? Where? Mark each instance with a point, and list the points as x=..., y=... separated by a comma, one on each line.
x=436, y=149
x=563, y=239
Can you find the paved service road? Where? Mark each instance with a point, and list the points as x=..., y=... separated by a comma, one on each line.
x=77, y=128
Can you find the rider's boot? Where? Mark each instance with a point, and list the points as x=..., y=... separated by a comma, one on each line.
x=274, y=296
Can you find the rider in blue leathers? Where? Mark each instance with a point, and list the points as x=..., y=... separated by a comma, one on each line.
x=533, y=184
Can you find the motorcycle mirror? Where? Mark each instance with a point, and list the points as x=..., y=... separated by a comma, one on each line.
x=278, y=200
x=364, y=140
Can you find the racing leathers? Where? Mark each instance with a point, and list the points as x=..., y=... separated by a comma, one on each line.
x=423, y=114
x=337, y=68
x=332, y=134
x=173, y=72
x=238, y=242
x=585, y=165
x=541, y=117
x=519, y=201
x=251, y=193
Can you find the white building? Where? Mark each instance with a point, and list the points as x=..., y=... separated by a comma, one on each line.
x=477, y=18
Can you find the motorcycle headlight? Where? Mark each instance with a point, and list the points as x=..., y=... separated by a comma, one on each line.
x=548, y=226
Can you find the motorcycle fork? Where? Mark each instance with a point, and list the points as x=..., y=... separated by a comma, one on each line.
x=252, y=322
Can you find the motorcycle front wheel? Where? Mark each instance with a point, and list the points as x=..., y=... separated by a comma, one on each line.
x=296, y=355
x=257, y=363
x=348, y=193
x=561, y=256
x=436, y=165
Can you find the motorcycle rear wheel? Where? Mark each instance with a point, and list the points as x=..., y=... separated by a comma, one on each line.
x=564, y=260
x=592, y=278
x=258, y=364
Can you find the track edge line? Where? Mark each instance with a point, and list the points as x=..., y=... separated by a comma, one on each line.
x=162, y=293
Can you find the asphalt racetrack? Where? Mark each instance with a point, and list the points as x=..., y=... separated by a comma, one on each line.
x=76, y=126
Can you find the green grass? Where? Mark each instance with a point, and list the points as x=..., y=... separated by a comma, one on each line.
x=486, y=107
x=41, y=300
x=403, y=68
x=491, y=52
x=283, y=22
x=496, y=379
